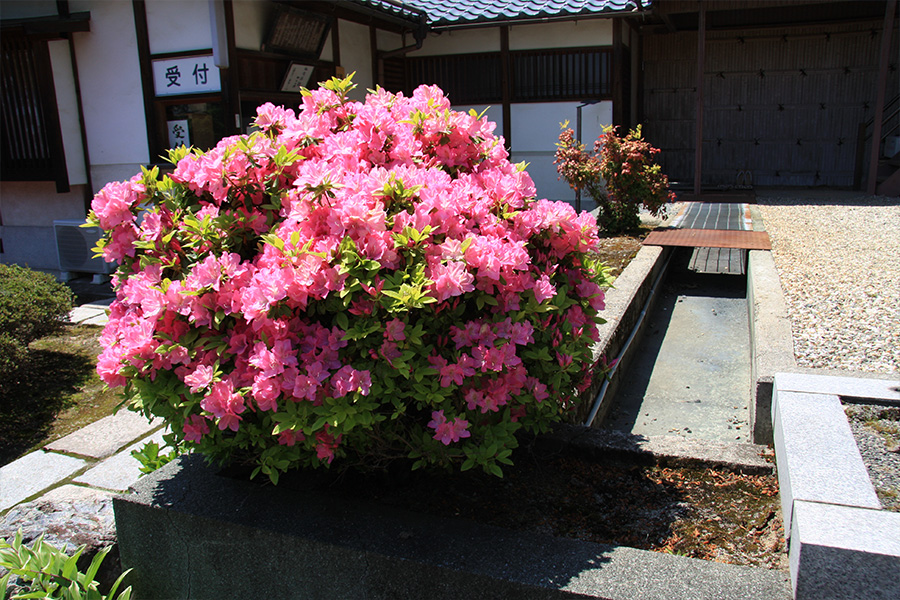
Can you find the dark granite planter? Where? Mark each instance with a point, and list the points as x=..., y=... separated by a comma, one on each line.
x=191, y=533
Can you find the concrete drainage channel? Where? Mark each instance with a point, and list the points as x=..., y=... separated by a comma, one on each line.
x=841, y=544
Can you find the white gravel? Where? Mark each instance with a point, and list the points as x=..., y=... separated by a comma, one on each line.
x=838, y=257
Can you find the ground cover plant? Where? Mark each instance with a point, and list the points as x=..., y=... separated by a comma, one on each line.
x=359, y=282
x=619, y=174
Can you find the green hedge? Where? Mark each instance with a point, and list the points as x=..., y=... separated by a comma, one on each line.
x=32, y=305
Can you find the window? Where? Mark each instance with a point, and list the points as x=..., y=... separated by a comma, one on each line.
x=465, y=78
x=32, y=147
x=535, y=75
x=561, y=74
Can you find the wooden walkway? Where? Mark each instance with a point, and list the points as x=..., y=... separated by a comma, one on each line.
x=720, y=233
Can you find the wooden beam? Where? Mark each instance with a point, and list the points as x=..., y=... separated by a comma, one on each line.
x=886, y=31
x=701, y=59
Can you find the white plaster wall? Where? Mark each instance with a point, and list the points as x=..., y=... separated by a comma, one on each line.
x=388, y=40
x=251, y=22
x=111, y=92
x=535, y=131
x=67, y=101
x=177, y=26
x=465, y=41
x=36, y=203
x=356, y=56
x=569, y=34
x=29, y=209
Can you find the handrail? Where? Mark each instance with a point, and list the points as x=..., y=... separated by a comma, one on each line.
x=886, y=116
x=887, y=106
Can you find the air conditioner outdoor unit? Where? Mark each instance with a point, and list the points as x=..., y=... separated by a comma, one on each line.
x=74, y=246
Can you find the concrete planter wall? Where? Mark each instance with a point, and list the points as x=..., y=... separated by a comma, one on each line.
x=191, y=533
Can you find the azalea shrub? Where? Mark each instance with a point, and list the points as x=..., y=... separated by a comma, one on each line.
x=354, y=283
x=619, y=174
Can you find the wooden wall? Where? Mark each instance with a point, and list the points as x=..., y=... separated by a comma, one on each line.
x=784, y=104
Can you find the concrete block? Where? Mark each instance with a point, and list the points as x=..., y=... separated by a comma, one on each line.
x=119, y=471
x=770, y=338
x=818, y=459
x=32, y=473
x=191, y=533
x=841, y=553
x=107, y=436
x=624, y=304
x=847, y=387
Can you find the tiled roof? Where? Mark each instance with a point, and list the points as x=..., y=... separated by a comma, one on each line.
x=463, y=12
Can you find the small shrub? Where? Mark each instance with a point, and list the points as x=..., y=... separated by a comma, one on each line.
x=619, y=175
x=45, y=571
x=359, y=283
x=151, y=459
x=32, y=305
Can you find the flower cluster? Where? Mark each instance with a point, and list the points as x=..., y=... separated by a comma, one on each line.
x=619, y=175
x=356, y=282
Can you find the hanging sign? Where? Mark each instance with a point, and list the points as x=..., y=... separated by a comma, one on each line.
x=188, y=75
x=178, y=133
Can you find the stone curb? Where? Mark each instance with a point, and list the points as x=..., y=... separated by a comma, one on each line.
x=667, y=450
x=841, y=543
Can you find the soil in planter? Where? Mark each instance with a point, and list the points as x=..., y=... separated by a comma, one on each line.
x=710, y=514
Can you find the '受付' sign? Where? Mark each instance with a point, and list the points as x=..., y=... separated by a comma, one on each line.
x=189, y=75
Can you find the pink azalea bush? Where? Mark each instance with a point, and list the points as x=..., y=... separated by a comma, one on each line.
x=356, y=282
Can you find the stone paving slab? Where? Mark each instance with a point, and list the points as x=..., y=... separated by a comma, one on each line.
x=851, y=387
x=32, y=473
x=120, y=470
x=91, y=314
x=106, y=436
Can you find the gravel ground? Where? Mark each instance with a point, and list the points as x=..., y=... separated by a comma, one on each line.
x=877, y=432
x=838, y=257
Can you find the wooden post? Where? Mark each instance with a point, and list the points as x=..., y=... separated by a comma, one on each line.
x=879, y=100
x=617, y=68
x=505, y=86
x=701, y=58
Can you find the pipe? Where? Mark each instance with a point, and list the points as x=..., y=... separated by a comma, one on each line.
x=599, y=399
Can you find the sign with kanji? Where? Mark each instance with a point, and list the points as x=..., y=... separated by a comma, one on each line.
x=188, y=75
x=178, y=133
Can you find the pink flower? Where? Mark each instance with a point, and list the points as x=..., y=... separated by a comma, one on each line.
x=200, y=378
x=348, y=379
x=196, y=428
x=543, y=289
x=448, y=431
x=393, y=330
x=290, y=437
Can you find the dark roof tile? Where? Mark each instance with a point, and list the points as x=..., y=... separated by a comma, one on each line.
x=462, y=12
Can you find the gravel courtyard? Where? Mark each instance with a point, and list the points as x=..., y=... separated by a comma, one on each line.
x=838, y=257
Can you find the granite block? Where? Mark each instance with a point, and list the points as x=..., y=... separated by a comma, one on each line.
x=841, y=552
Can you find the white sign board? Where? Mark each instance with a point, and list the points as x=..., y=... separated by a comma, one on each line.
x=178, y=133
x=189, y=75
x=296, y=78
